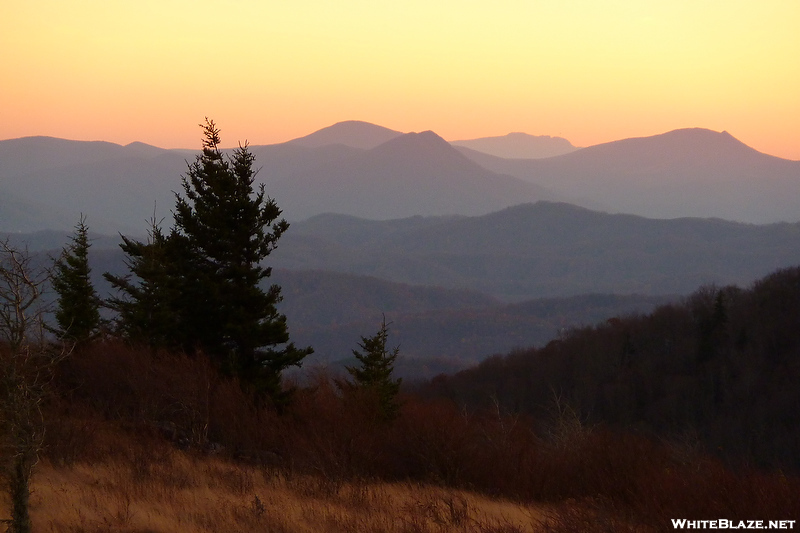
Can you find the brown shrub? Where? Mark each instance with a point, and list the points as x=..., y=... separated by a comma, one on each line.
x=136, y=405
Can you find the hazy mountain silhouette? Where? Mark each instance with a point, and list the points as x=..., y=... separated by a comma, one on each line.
x=35, y=154
x=414, y=174
x=47, y=181
x=546, y=249
x=531, y=251
x=118, y=194
x=688, y=172
x=353, y=133
x=519, y=146
x=439, y=329
x=280, y=164
x=118, y=187
x=17, y=215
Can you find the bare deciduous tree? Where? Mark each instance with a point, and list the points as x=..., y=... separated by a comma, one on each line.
x=21, y=306
x=26, y=364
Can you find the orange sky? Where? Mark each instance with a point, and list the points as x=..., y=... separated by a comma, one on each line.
x=269, y=71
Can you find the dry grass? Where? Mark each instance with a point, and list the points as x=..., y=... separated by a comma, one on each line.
x=116, y=460
x=179, y=492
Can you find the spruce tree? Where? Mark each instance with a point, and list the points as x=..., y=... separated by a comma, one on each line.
x=77, y=313
x=149, y=306
x=375, y=372
x=200, y=286
x=227, y=229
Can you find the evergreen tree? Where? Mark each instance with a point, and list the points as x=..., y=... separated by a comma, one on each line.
x=149, y=308
x=199, y=287
x=226, y=230
x=77, y=313
x=375, y=372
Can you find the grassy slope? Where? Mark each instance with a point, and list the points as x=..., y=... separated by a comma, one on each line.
x=180, y=492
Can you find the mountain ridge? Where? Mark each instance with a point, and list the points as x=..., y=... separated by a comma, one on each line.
x=682, y=173
x=546, y=249
x=412, y=174
x=685, y=172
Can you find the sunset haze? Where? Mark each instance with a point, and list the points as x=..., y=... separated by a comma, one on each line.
x=268, y=72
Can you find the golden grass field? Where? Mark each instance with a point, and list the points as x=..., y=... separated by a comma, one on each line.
x=181, y=492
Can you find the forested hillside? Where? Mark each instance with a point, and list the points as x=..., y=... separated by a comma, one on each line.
x=719, y=371
x=439, y=330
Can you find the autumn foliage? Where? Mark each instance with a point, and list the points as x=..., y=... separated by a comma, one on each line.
x=115, y=401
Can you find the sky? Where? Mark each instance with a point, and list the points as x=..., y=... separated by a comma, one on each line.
x=268, y=71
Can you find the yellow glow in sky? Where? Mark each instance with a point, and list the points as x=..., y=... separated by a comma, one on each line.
x=270, y=71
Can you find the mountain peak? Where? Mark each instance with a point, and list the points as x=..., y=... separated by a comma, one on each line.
x=421, y=138
x=426, y=144
x=518, y=145
x=143, y=149
x=687, y=144
x=353, y=133
x=139, y=144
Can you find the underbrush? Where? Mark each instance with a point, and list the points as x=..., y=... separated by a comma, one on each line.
x=159, y=422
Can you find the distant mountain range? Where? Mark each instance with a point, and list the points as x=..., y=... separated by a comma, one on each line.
x=413, y=174
x=119, y=188
x=528, y=251
x=459, y=288
x=523, y=252
x=360, y=169
x=438, y=329
x=683, y=173
x=544, y=249
x=454, y=243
